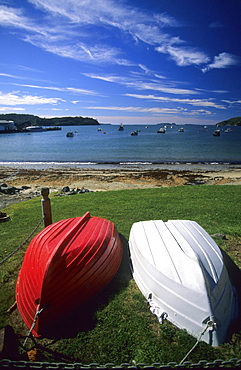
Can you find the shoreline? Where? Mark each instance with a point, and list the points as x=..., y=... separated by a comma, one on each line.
x=103, y=179
x=136, y=165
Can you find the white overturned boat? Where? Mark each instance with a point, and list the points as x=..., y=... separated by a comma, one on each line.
x=180, y=270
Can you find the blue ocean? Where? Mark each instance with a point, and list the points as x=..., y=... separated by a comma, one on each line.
x=107, y=146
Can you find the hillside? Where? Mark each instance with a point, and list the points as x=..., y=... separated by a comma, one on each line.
x=24, y=120
x=236, y=121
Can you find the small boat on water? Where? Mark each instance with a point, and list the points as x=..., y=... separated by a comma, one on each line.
x=181, y=129
x=216, y=133
x=180, y=270
x=65, y=265
x=121, y=127
x=134, y=133
x=161, y=130
x=70, y=134
x=35, y=129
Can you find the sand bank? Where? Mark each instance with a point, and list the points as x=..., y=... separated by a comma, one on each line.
x=109, y=179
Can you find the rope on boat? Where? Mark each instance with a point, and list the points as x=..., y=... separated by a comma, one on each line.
x=163, y=316
x=210, y=324
x=24, y=242
x=38, y=312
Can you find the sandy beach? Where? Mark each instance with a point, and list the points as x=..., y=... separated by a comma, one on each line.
x=33, y=180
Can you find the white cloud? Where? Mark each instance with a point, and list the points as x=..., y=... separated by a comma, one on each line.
x=110, y=12
x=15, y=99
x=232, y=101
x=8, y=75
x=7, y=109
x=139, y=109
x=73, y=90
x=153, y=110
x=142, y=85
x=65, y=21
x=223, y=60
x=195, y=102
x=12, y=17
x=184, y=56
x=65, y=28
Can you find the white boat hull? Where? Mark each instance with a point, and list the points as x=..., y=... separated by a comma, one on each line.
x=179, y=269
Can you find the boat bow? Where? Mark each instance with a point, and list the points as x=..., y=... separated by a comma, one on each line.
x=180, y=269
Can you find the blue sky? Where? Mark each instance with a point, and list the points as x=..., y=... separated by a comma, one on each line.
x=132, y=61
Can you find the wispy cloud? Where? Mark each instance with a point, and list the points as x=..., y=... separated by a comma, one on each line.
x=73, y=90
x=153, y=110
x=232, y=102
x=195, y=102
x=9, y=75
x=184, y=56
x=16, y=109
x=223, y=60
x=13, y=17
x=14, y=99
x=66, y=21
x=138, y=84
x=139, y=109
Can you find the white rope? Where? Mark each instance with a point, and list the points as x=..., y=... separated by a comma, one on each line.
x=33, y=325
x=163, y=316
x=209, y=324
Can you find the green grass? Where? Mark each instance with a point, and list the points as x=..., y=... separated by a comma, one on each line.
x=117, y=326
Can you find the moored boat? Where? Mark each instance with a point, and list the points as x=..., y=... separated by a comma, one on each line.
x=121, y=127
x=70, y=134
x=35, y=129
x=161, y=130
x=180, y=270
x=216, y=133
x=65, y=265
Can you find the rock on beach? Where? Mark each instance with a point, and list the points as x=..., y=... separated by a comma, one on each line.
x=22, y=184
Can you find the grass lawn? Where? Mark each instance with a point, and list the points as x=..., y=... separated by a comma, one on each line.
x=117, y=325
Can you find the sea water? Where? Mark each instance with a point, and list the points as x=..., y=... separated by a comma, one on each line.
x=110, y=147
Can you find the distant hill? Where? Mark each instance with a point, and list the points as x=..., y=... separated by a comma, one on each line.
x=236, y=121
x=24, y=120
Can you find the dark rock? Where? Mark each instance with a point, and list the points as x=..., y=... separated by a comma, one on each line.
x=4, y=217
x=65, y=189
x=83, y=190
x=25, y=187
x=195, y=182
x=8, y=190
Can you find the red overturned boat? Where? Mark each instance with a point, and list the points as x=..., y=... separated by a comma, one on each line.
x=65, y=265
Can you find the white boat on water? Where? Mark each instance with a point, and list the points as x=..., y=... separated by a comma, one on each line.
x=35, y=128
x=180, y=270
x=161, y=130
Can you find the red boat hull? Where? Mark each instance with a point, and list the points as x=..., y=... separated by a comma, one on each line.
x=65, y=265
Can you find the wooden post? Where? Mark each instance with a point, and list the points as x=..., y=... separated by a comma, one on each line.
x=46, y=207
